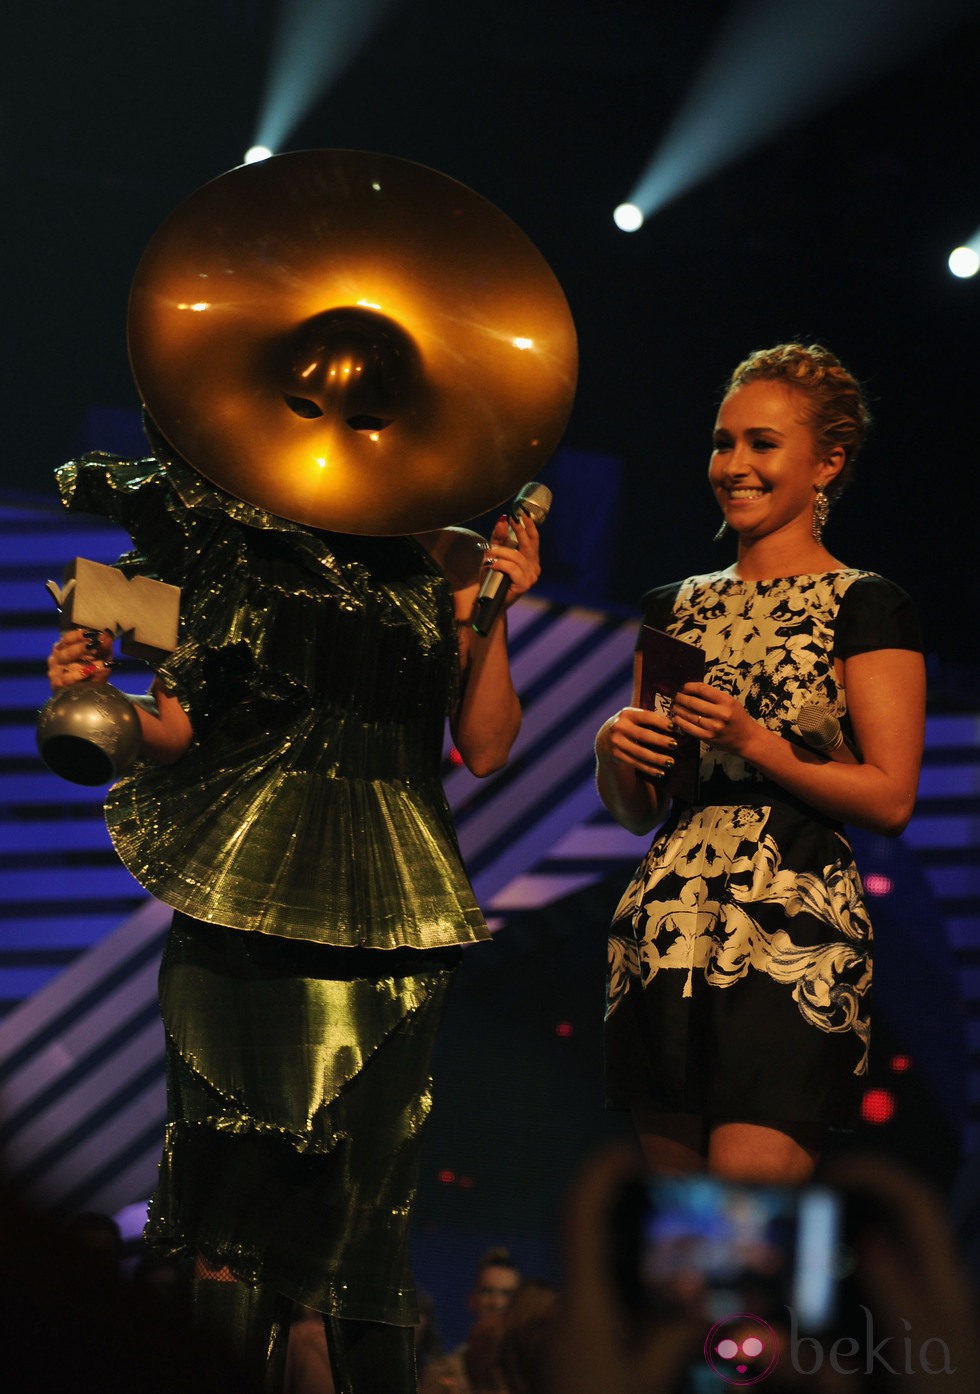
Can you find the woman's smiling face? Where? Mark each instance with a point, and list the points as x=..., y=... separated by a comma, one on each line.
x=765, y=466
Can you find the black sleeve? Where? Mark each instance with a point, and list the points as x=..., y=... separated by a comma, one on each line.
x=876, y=614
x=658, y=606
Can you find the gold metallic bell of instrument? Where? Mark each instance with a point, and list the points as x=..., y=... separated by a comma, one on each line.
x=353, y=342
x=89, y=733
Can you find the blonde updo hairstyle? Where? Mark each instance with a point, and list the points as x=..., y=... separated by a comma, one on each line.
x=835, y=410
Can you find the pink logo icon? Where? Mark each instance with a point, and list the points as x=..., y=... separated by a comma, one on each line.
x=742, y=1349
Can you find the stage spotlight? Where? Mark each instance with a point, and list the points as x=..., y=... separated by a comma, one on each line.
x=255, y=153
x=964, y=262
x=772, y=65
x=314, y=43
x=628, y=218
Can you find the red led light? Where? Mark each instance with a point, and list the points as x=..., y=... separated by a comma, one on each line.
x=447, y=1178
x=900, y=1064
x=466, y=1183
x=564, y=1028
x=454, y=756
x=878, y=1106
x=877, y=884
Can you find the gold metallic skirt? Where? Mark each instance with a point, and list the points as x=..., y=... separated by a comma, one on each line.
x=298, y=1082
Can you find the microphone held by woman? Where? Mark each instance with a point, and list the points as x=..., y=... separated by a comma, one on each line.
x=821, y=730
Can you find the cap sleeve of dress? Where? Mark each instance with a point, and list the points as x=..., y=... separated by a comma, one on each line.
x=876, y=614
x=251, y=612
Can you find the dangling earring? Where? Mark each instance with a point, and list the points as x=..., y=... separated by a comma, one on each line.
x=720, y=534
x=821, y=508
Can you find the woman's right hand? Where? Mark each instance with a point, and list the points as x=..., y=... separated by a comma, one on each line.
x=80, y=655
x=643, y=740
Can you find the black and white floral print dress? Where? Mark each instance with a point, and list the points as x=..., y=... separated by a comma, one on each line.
x=740, y=953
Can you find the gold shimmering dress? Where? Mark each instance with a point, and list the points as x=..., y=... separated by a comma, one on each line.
x=305, y=844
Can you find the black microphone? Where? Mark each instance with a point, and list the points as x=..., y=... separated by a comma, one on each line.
x=534, y=500
x=821, y=730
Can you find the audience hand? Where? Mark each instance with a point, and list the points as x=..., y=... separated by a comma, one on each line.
x=599, y=1345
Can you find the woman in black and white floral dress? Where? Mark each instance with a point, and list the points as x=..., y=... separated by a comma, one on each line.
x=739, y=961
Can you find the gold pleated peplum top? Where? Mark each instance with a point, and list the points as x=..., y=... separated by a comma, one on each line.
x=317, y=670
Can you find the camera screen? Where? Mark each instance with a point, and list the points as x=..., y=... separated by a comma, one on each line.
x=712, y=1247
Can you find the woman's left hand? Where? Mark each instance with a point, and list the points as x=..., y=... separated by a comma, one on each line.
x=713, y=716
x=521, y=563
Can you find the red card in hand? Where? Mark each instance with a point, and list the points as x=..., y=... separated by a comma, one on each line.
x=666, y=664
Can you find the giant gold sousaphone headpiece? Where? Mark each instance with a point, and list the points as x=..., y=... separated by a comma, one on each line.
x=353, y=342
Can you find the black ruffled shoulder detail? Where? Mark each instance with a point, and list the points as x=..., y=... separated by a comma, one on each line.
x=264, y=601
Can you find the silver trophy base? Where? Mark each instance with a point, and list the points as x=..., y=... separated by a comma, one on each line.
x=89, y=733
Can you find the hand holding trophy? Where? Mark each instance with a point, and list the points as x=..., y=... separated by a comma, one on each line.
x=88, y=732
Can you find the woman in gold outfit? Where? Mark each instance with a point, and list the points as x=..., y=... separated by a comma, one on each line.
x=287, y=805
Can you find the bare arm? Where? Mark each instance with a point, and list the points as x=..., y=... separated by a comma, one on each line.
x=166, y=729
x=166, y=734
x=886, y=700
x=487, y=717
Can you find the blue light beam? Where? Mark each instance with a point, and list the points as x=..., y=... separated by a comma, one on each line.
x=776, y=62
x=315, y=43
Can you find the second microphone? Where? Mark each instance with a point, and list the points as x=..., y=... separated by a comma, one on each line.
x=534, y=500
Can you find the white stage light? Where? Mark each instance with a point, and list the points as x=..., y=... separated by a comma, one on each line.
x=256, y=153
x=964, y=262
x=772, y=64
x=313, y=45
x=628, y=218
